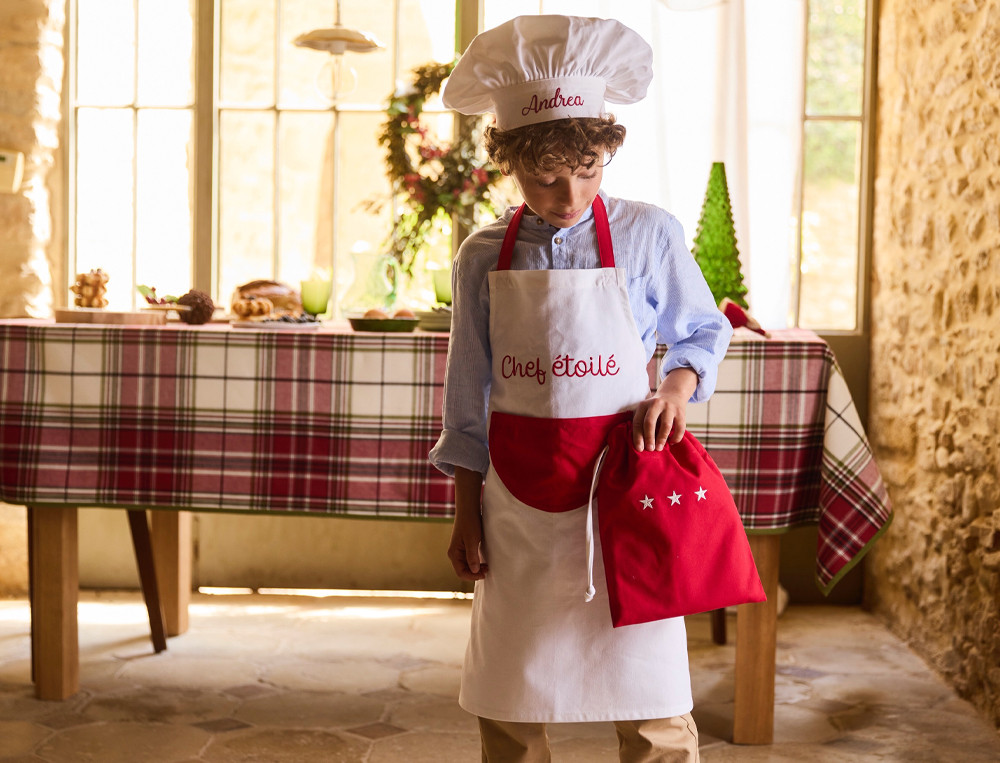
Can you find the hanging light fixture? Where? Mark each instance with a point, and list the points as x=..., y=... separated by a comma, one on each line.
x=336, y=79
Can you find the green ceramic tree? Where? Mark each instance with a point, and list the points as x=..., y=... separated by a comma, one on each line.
x=715, y=243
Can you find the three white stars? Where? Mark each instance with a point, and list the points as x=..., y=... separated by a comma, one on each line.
x=675, y=498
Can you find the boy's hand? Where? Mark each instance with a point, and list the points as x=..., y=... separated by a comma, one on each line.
x=467, y=550
x=660, y=418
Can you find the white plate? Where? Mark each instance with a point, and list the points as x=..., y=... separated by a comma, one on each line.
x=275, y=325
x=167, y=308
x=435, y=320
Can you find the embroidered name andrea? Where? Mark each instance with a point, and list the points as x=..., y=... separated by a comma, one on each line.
x=554, y=102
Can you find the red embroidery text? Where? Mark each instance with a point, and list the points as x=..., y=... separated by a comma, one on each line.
x=511, y=366
x=554, y=102
x=566, y=365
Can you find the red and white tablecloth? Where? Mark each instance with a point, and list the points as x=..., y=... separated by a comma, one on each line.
x=331, y=421
x=220, y=419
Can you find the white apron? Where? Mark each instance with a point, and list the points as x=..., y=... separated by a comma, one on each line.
x=567, y=353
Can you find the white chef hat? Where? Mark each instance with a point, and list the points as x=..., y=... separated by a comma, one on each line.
x=539, y=68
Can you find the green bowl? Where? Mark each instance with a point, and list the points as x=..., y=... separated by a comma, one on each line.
x=397, y=325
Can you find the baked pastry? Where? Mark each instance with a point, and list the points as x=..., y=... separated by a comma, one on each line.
x=252, y=308
x=90, y=289
x=283, y=298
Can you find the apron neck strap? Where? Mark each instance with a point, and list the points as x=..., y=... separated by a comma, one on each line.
x=604, y=245
x=603, y=234
x=507, y=248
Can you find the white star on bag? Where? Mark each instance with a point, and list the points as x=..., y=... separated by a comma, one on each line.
x=675, y=498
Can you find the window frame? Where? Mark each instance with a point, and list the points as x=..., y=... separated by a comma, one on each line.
x=201, y=276
x=206, y=252
x=852, y=348
x=205, y=223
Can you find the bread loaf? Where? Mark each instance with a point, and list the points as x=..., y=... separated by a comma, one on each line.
x=283, y=298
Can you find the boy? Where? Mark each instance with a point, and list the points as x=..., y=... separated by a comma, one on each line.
x=557, y=309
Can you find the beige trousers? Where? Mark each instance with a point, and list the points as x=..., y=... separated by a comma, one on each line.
x=657, y=740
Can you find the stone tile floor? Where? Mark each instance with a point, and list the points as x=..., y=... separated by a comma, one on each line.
x=375, y=680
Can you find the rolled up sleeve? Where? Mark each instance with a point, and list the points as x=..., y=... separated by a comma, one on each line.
x=463, y=440
x=689, y=322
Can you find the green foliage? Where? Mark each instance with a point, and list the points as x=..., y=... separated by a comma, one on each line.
x=149, y=292
x=831, y=153
x=714, y=247
x=835, y=60
x=431, y=182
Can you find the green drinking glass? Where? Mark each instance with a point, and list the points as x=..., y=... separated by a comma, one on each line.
x=316, y=295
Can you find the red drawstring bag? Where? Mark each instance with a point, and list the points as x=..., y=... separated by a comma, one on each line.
x=672, y=540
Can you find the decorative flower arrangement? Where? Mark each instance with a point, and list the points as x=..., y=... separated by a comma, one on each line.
x=432, y=182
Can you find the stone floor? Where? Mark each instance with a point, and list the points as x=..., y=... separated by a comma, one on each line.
x=291, y=678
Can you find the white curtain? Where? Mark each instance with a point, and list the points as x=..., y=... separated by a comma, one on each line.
x=727, y=86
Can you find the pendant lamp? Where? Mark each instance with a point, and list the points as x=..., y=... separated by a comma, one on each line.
x=336, y=79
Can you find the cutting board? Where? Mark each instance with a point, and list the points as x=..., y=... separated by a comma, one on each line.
x=113, y=317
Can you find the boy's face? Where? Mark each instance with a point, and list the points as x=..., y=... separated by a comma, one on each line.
x=560, y=198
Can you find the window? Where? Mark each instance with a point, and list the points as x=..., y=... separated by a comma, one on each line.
x=206, y=148
x=829, y=266
x=131, y=140
x=204, y=152
x=777, y=90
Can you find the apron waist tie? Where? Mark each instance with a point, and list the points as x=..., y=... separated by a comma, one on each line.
x=589, y=595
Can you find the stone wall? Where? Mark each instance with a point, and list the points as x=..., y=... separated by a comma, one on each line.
x=31, y=76
x=935, y=392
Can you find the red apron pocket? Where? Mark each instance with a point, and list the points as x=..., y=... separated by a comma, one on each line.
x=671, y=536
x=548, y=464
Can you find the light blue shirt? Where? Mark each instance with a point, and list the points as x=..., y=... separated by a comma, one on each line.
x=668, y=295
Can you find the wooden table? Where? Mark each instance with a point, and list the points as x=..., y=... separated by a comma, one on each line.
x=212, y=418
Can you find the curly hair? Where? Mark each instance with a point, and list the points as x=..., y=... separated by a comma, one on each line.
x=550, y=146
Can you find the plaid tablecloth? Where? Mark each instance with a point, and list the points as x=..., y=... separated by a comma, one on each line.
x=330, y=421
x=220, y=419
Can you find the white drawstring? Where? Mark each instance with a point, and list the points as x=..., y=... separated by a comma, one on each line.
x=589, y=595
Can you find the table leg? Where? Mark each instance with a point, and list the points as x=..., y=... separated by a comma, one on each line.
x=172, y=553
x=756, y=636
x=31, y=589
x=55, y=584
x=718, y=621
x=139, y=526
